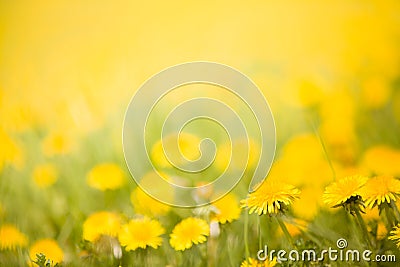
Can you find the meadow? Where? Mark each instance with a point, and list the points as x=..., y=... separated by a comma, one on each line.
x=329, y=71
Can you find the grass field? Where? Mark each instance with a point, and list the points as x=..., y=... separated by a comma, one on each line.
x=329, y=70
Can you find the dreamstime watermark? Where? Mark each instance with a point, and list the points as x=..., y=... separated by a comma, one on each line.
x=137, y=131
x=340, y=253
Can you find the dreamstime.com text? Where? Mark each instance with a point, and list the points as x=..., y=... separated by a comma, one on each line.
x=340, y=253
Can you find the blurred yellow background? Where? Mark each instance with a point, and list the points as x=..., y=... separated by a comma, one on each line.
x=68, y=69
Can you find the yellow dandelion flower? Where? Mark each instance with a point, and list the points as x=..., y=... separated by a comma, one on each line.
x=144, y=204
x=250, y=262
x=106, y=176
x=227, y=209
x=44, y=175
x=381, y=160
x=11, y=237
x=375, y=92
x=141, y=233
x=49, y=248
x=188, y=232
x=343, y=190
x=10, y=152
x=188, y=148
x=381, y=231
x=395, y=235
x=101, y=223
x=381, y=189
x=57, y=143
x=272, y=197
x=311, y=198
x=228, y=154
x=294, y=228
x=371, y=214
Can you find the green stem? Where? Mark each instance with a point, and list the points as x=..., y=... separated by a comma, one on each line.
x=396, y=210
x=246, y=234
x=324, y=149
x=285, y=230
x=259, y=233
x=363, y=227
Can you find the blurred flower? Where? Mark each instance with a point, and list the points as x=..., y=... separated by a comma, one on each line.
x=395, y=235
x=11, y=237
x=106, y=176
x=381, y=231
x=49, y=248
x=310, y=197
x=227, y=209
x=250, y=262
x=57, y=143
x=141, y=233
x=188, y=149
x=375, y=92
x=44, y=175
x=371, y=214
x=101, y=223
x=381, y=189
x=294, y=228
x=10, y=152
x=381, y=160
x=235, y=155
x=188, y=232
x=144, y=204
x=344, y=190
x=272, y=197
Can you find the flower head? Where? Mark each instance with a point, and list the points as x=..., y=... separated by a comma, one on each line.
x=188, y=232
x=381, y=189
x=188, y=148
x=44, y=175
x=227, y=209
x=106, y=176
x=395, y=235
x=57, y=143
x=101, y=223
x=11, y=237
x=49, y=248
x=344, y=190
x=250, y=262
x=272, y=197
x=144, y=204
x=141, y=233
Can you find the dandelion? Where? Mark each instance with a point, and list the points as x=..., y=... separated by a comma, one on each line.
x=381, y=189
x=106, y=176
x=141, y=233
x=10, y=152
x=228, y=153
x=44, y=175
x=345, y=191
x=101, y=223
x=395, y=235
x=11, y=237
x=250, y=262
x=49, y=248
x=144, y=204
x=187, y=148
x=227, y=209
x=381, y=160
x=272, y=197
x=57, y=143
x=188, y=232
